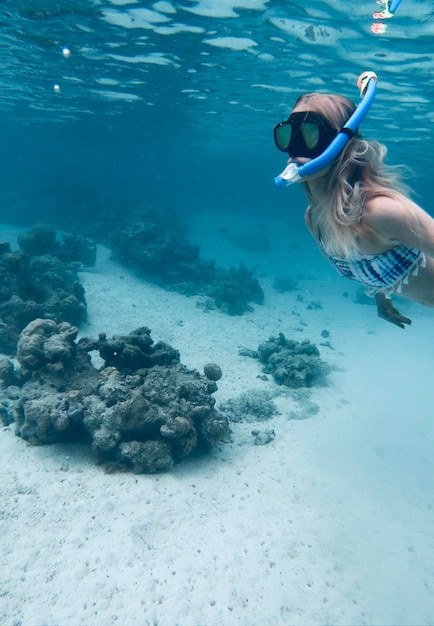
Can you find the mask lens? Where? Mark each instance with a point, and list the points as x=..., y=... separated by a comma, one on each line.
x=304, y=134
x=310, y=133
x=282, y=135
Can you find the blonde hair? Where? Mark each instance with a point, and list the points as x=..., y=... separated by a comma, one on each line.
x=358, y=174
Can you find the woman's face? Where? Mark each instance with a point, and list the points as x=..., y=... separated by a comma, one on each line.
x=306, y=134
x=301, y=160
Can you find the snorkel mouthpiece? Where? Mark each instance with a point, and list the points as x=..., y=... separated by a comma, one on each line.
x=367, y=83
x=288, y=176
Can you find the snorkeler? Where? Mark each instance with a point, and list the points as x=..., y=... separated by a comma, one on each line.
x=359, y=212
x=390, y=7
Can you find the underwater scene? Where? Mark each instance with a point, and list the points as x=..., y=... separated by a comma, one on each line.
x=216, y=405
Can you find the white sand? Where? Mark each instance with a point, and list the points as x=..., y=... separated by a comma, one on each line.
x=330, y=523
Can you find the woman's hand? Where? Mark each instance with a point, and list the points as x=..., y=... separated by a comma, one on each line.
x=387, y=311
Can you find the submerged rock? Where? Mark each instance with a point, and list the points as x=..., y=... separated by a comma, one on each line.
x=292, y=363
x=143, y=410
x=212, y=371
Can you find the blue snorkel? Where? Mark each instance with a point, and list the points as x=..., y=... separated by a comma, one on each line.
x=394, y=5
x=367, y=83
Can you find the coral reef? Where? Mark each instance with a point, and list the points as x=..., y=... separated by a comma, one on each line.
x=41, y=239
x=145, y=243
x=40, y=280
x=292, y=363
x=142, y=411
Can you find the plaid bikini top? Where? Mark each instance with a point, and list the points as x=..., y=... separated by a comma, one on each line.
x=385, y=272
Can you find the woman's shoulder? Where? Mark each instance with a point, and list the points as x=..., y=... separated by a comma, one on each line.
x=383, y=206
x=391, y=216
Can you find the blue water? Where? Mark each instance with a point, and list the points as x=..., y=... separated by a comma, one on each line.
x=172, y=105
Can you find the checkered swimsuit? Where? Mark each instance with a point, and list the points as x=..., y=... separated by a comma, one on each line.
x=385, y=272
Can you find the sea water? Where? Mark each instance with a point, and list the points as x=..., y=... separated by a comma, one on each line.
x=109, y=106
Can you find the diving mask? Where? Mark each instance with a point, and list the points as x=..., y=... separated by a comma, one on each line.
x=304, y=134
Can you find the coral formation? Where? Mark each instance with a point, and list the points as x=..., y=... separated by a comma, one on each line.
x=233, y=289
x=292, y=363
x=40, y=280
x=145, y=243
x=142, y=411
x=41, y=239
x=263, y=437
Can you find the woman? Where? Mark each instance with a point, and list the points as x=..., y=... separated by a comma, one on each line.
x=359, y=213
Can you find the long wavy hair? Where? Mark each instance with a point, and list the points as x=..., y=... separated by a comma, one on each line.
x=358, y=174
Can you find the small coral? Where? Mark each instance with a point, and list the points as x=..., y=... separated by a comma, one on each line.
x=232, y=290
x=292, y=363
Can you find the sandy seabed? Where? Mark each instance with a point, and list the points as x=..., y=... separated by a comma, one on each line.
x=330, y=523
